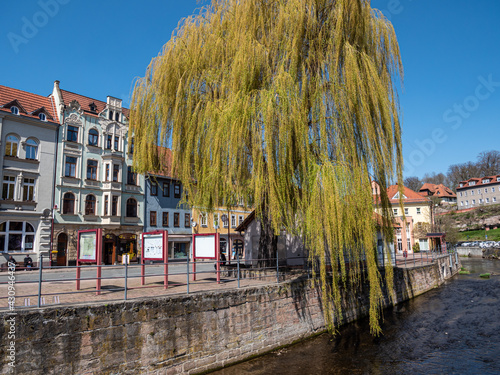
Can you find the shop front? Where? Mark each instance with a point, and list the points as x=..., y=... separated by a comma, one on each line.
x=115, y=246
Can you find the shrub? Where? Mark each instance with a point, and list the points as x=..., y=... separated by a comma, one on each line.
x=416, y=248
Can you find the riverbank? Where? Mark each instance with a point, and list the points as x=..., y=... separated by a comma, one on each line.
x=193, y=333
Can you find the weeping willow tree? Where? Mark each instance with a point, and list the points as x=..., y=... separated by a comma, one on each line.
x=292, y=105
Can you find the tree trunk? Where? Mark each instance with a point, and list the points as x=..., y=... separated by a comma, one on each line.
x=268, y=243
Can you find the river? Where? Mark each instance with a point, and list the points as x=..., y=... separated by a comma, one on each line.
x=454, y=329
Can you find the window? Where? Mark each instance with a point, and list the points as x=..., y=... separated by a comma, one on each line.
x=11, y=145
x=131, y=147
x=109, y=139
x=487, y=200
x=92, y=169
x=494, y=199
x=152, y=218
x=203, y=219
x=395, y=211
x=472, y=192
x=498, y=178
x=240, y=219
x=408, y=238
x=69, y=204
x=479, y=191
x=492, y=189
x=473, y=202
x=16, y=236
x=165, y=219
x=225, y=223
x=177, y=190
x=472, y=183
x=106, y=174
x=93, y=137
x=233, y=221
x=481, y=200
x=72, y=135
x=106, y=202
x=166, y=189
x=486, y=180
x=29, y=189
x=14, y=110
x=116, y=172
x=117, y=116
x=131, y=207
x=176, y=219
x=154, y=188
x=461, y=203
x=117, y=143
x=131, y=176
x=187, y=220
x=110, y=115
x=114, y=205
x=461, y=185
x=485, y=190
x=70, y=168
x=216, y=220
x=31, y=149
x=9, y=185
x=406, y=211
x=465, y=193
x=90, y=205
x=42, y=117
x=460, y=193
x=418, y=211
x=466, y=203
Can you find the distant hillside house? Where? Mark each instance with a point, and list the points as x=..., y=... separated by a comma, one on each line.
x=440, y=191
x=476, y=192
x=413, y=221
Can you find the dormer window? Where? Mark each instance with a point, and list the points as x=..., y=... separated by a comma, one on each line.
x=461, y=185
x=472, y=183
x=14, y=110
x=110, y=115
x=117, y=116
x=93, y=107
x=486, y=180
x=498, y=178
x=42, y=117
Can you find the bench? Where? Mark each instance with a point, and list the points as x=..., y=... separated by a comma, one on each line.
x=19, y=267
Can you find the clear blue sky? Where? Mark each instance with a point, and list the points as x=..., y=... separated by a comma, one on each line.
x=450, y=49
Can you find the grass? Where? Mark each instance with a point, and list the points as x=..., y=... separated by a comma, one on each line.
x=479, y=235
x=485, y=275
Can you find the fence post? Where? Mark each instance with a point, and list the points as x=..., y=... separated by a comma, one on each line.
x=126, y=275
x=40, y=281
x=277, y=267
x=238, y=267
x=187, y=284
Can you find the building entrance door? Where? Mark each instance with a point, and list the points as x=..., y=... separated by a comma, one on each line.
x=109, y=250
x=62, y=246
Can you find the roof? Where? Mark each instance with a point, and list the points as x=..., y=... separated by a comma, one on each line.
x=29, y=104
x=165, y=159
x=410, y=196
x=246, y=223
x=440, y=190
x=85, y=103
x=495, y=179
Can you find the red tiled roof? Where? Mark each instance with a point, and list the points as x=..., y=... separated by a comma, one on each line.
x=411, y=196
x=439, y=190
x=31, y=104
x=165, y=159
x=85, y=102
x=479, y=181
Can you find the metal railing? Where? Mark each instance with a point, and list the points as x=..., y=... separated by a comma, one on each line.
x=57, y=285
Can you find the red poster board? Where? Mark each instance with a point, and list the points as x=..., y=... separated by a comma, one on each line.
x=206, y=246
x=155, y=247
x=89, y=250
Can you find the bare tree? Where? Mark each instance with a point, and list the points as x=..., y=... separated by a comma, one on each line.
x=413, y=182
x=461, y=172
x=488, y=163
x=433, y=178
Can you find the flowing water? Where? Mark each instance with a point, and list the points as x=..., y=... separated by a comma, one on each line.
x=454, y=329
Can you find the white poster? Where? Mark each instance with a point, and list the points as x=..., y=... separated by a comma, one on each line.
x=153, y=246
x=205, y=246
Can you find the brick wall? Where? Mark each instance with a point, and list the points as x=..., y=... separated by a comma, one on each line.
x=186, y=334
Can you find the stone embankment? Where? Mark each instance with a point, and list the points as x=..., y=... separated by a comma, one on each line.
x=190, y=333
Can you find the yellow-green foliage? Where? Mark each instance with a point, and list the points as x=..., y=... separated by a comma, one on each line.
x=290, y=104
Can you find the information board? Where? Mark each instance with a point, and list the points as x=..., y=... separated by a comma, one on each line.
x=87, y=243
x=204, y=246
x=153, y=246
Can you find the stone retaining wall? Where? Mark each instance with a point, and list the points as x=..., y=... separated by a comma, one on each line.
x=186, y=334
